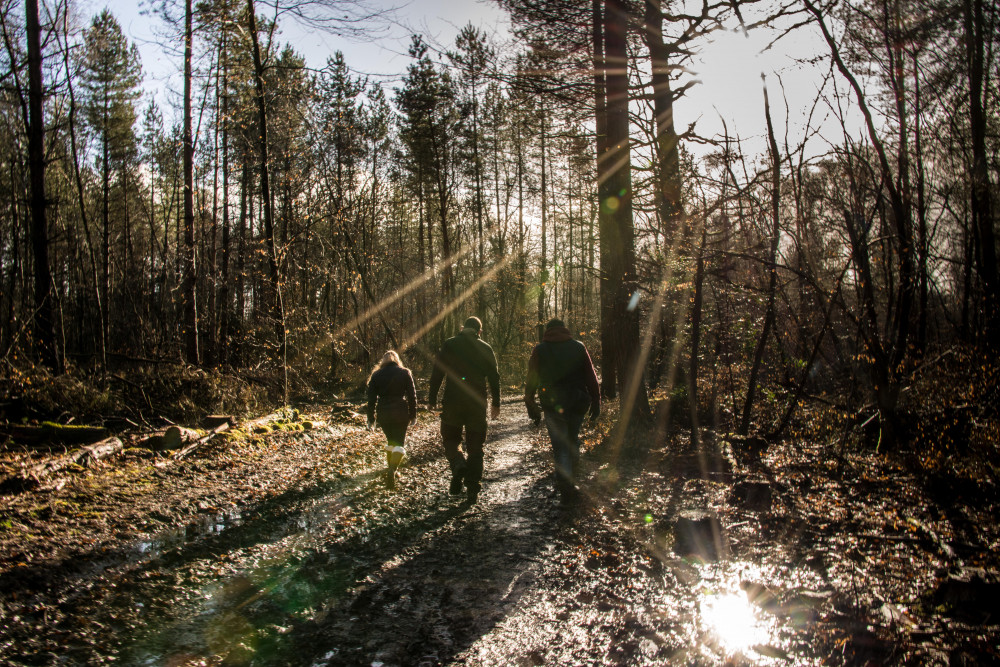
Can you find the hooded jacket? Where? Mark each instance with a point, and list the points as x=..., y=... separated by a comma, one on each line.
x=561, y=371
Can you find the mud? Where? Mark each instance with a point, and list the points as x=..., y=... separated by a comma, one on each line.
x=288, y=550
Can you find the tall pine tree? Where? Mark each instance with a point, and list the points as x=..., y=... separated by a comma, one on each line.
x=111, y=76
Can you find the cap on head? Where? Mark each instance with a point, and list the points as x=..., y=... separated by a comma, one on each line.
x=473, y=323
x=554, y=322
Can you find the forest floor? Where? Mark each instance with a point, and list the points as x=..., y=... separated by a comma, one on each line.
x=285, y=548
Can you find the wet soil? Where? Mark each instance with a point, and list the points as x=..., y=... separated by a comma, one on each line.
x=288, y=549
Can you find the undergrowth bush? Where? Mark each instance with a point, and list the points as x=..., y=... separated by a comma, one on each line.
x=141, y=395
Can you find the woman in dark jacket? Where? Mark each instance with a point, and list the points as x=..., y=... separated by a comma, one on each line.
x=392, y=404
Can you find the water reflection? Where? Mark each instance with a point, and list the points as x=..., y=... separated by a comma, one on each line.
x=732, y=620
x=755, y=611
x=200, y=526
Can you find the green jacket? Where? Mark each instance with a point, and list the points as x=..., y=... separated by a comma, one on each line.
x=465, y=364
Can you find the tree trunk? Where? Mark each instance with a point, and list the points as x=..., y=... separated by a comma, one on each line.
x=923, y=240
x=696, y=308
x=477, y=167
x=106, y=228
x=82, y=456
x=274, y=303
x=772, y=271
x=543, y=273
x=982, y=216
x=44, y=319
x=224, y=293
x=668, y=196
x=190, y=288
x=618, y=237
x=241, y=257
x=80, y=191
x=609, y=361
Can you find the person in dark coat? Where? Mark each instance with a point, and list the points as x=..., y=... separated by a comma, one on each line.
x=466, y=364
x=561, y=372
x=392, y=404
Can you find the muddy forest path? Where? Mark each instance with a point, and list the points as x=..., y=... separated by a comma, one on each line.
x=331, y=568
x=283, y=547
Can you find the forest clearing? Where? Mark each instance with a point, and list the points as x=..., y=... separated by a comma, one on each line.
x=755, y=242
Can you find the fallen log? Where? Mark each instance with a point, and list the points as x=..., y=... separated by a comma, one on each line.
x=260, y=425
x=181, y=453
x=213, y=421
x=83, y=456
x=51, y=432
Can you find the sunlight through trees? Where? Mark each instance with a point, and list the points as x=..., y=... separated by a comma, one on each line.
x=301, y=219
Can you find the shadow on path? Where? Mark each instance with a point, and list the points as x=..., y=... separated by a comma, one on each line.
x=341, y=570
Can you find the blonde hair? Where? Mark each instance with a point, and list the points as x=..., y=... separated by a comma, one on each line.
x=390, y=357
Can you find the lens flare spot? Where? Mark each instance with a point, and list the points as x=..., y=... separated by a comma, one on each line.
x=611, y=204
x=634, y=301
x=731, y=618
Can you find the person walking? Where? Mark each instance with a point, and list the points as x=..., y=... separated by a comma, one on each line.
x=561, y=372
x=392, y=404
x=466, y=364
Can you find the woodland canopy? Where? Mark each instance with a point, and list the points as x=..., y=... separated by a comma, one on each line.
x=297, y=221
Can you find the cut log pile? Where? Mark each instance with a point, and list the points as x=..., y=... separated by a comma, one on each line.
x=85, y=446
x=52, y=448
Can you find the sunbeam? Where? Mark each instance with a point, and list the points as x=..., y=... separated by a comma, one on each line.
x=399, y=294
x=456, y=302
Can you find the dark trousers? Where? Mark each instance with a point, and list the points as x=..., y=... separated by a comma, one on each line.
x=470, y=467
x=395, y=431
x=564, y=432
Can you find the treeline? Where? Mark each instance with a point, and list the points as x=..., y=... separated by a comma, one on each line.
x=308, y=219
x=289, y=213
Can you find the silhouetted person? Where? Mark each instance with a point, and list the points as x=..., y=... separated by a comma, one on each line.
x=561, y=372
x=392, y=403
x=466, y=364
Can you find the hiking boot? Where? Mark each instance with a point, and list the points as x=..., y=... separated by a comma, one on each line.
x=456, y=485
x=472, y=497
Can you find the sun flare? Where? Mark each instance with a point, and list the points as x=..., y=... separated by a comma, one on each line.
x=731, y=618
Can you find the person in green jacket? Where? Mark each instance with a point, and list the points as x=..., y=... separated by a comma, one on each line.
x=561, y=372
x=466, y=364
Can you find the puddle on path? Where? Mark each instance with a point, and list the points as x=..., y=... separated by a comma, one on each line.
x=202, y=526
x=757, y=613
